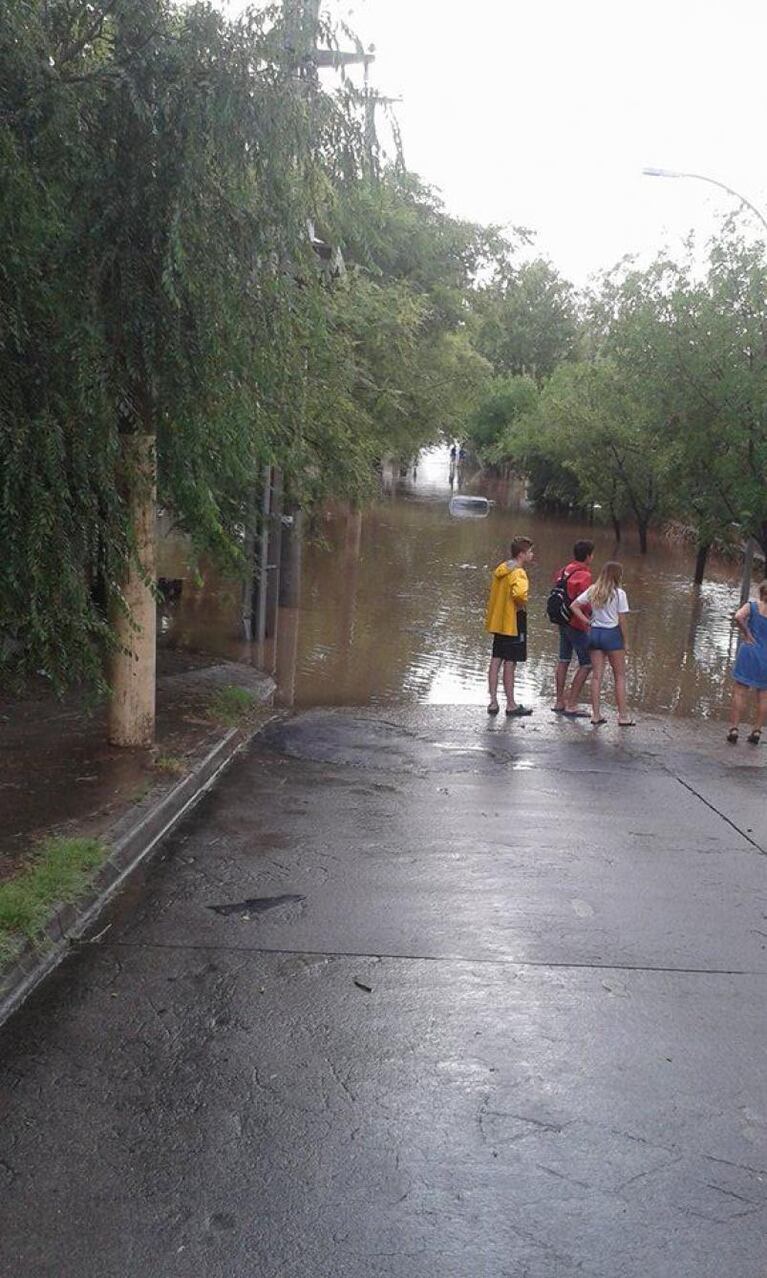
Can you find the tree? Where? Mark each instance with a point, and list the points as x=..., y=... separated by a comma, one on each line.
x=493, y=428
x=694, y=350
x=723, y=362
x=528, y=321
x=166, y=322
x=160, y=168
x=592, y=423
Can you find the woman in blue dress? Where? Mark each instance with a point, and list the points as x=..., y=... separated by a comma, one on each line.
x=751, y=666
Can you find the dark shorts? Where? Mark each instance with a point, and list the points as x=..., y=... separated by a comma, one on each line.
x=606, y=638
x=512, y=647
x=574, y=641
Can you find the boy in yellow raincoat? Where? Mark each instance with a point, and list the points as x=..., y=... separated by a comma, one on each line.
x=506, y=619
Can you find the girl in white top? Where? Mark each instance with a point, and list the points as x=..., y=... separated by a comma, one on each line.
x=607, y=637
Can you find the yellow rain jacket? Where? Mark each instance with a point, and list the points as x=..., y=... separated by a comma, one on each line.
x=508, y=592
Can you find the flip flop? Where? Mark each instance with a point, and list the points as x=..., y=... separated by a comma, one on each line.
x=576, y=714
x=518, y=712
x=558, y=710
x=732, y=736
x=627, y=723
x=754, y=737
x=493, y=709
x=597, y=723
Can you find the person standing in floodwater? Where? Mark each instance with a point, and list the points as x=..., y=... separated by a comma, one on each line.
x=574, y=638
x=506, y=620
x=607, y=637
x=750, y=669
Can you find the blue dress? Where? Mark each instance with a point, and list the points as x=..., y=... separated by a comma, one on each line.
x=751, y=661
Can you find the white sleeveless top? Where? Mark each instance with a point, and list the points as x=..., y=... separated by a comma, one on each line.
x=607, y=615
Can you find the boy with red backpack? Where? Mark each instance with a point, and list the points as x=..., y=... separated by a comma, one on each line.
x=570, y=582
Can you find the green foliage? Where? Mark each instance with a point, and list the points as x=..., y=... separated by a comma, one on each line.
x=528, y=321
x=153, y=195
x=594, y=425
x=160, y=163
x=692, y=350
x=232, y=706
x=397, y=229
x=404, y=310
x=720, y=422
x=170, y=765
x=494, y=429
x=667, y=417
x=58, y=872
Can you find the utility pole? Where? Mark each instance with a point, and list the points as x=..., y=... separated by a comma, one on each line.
x=300, y=20
x=268, y=529
x=373, y=100
x=273, y=540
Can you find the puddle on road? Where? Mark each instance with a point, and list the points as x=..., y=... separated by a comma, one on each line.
x=256, y=905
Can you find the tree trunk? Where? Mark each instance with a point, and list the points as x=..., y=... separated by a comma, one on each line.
x=700, y=562
x=748, y=570
x=642, y=525
x=616, y=523
x=132, y=664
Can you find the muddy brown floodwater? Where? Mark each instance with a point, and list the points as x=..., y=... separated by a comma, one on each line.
x=392, y=605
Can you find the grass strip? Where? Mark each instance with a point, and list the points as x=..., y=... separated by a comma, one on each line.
x=57, y=873
x=232, y=706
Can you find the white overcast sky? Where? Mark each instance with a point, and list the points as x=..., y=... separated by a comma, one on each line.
x=544, y=112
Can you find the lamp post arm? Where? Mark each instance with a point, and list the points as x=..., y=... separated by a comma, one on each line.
x=700, y=177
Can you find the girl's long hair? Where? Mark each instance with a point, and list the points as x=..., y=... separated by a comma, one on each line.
x=606, y=584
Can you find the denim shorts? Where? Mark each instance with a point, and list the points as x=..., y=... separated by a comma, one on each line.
x=574, y=641
x=606, y=638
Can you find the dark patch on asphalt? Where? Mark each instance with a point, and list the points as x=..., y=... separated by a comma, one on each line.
x=222, y=1220
x=256, y=905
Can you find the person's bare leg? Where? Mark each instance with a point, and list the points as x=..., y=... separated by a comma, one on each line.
x=492, y=679
x=761, y=710
x=597, y=674
x=618, y=663
x=509, y=670
x=576, y=687
x=738, y=704
x=561, y=679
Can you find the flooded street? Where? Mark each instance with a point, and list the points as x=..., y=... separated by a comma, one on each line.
x=410, y=985
x=392, y=606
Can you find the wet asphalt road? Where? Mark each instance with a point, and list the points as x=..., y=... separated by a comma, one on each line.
x=557, y=1067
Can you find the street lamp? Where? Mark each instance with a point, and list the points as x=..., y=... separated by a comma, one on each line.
x=748, y=555
x=700, y=177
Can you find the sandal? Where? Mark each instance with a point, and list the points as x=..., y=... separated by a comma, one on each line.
x=627, y=723
x=754, y=737
x=518, y=712
x=597, y=723
x=493, y=708
x=732, y=736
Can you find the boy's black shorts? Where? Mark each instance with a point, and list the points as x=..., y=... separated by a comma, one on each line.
x=512, y=647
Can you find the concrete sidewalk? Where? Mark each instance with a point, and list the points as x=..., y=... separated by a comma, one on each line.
x=415, y=995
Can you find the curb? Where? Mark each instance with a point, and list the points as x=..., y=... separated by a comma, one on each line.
x=134, y=838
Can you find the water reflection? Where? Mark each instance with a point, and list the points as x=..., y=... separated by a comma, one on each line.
x=389, y=605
